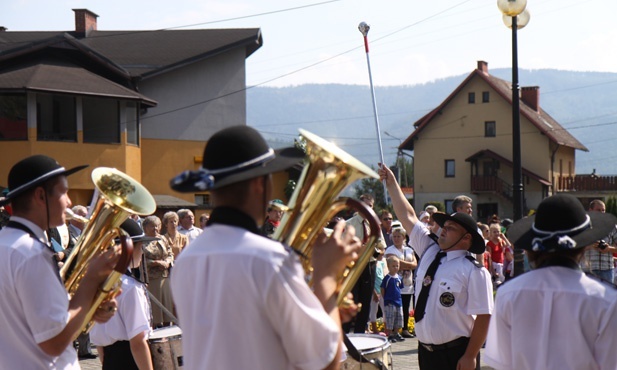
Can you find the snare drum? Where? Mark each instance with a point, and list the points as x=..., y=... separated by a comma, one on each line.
x=166, y=348
x=371, y=346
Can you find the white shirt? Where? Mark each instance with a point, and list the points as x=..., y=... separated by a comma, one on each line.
x=191, y=233
x=132, y=318
x=405, y=255
x=34, y=304
x=553, y=318
x=459, y=292
x=248, y=305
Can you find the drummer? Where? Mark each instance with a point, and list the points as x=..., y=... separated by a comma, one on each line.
x=122, y=342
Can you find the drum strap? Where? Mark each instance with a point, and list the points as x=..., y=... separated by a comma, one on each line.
x=356, y=355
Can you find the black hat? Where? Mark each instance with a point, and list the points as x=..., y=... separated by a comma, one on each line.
x=468, y=223
x=232, y=155
x=560, y=223
x=32, y=172
x=135, y=232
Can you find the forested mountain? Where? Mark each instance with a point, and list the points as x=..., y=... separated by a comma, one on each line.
x=585, y=103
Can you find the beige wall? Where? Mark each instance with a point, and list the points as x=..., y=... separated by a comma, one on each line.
x=457, y=132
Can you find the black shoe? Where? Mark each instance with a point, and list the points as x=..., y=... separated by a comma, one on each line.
x=399, y=338
x=407, y=334
x=392, y=339
x=87, y=356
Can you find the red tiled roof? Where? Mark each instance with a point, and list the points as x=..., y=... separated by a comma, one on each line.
x=542, y=120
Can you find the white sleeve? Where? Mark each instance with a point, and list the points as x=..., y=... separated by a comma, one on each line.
x=133, y=312
x=498, y=353
x=419, y=239
x=43, y=296
x=292, y=308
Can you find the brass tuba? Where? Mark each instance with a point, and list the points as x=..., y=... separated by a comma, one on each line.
x=116, y=197
x=327, y=171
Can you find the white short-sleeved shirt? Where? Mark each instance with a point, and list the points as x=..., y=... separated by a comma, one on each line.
x=459, y=292
x=191, y=233
x=34, y=304
x=553, y=318
x=243, y=303
x=132, y=318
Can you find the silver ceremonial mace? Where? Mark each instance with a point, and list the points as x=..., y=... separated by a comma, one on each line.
x=363, y=27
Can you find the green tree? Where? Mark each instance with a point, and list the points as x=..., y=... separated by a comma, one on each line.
x=611, y=205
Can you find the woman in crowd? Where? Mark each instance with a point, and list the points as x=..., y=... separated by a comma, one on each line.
x=159, y=259
x=173, y=238
x=407, y=263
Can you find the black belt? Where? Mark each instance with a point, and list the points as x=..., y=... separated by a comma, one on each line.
x=440, y=347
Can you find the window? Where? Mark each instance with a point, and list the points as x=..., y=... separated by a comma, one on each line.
x=132, y=123
x=489, y=129
x=471, y=98
x=448, y=203
x=13, y=117
x=485, y=96
x=449, y=167
x=101, y=120
x=55, y=116
x=202, y=200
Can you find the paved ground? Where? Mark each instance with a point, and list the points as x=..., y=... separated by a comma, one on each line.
x=404, y=354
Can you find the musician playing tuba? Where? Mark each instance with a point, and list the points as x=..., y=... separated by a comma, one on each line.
x=241, y=298
x=39, y=321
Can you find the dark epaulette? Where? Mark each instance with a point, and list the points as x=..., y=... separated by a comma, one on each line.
x=474, y=261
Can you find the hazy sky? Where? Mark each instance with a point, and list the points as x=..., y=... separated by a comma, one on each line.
x=411, y=41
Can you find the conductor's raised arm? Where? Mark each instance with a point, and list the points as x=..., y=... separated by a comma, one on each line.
x=402, y=209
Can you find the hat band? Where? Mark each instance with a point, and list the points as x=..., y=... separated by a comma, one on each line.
x=563, y=237
x=33, y=181
x=204, y=179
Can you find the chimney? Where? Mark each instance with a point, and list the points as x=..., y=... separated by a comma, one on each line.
x=530, y=95
x=85, y=21
x=483, y=67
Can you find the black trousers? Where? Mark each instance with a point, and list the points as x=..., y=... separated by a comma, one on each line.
x=119, y=356
x=362, y=293
x=445, y=359
x=406, y=303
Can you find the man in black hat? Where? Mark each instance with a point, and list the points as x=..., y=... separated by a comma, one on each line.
x=555, y=316
x=39, y=322
x=454, y=295
x=248, y=305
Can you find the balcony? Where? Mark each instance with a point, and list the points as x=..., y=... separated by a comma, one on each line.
x=591, y=183
x=491, y=184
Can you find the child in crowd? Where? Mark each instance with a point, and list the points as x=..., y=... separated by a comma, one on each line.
x=393, y=302
x=377, y=301
x=497, y=244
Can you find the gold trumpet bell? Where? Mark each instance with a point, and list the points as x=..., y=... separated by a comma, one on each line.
x=117, y=196
x=327, y=171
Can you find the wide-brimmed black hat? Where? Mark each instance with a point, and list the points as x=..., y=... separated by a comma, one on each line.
x=32, y=172
x=468, y=223
x=232, y=155
x=135, y=232
x=560, y=223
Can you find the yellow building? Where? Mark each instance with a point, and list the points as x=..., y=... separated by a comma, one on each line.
x=464, y=146
x=144, y=102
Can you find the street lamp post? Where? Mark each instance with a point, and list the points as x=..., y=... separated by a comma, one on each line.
x=516, y=16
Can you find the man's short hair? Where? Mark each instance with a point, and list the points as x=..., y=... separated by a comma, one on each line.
x=594, y=203
x=182, y=213
x=384, y=212
x=430, y=209
x=367, y=197
x=459, y=201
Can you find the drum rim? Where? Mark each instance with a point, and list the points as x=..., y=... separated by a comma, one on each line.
x=385, y=343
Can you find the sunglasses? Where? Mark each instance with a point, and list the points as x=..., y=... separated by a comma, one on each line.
x=387, y=219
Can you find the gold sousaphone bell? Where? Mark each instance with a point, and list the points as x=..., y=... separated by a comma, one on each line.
x=327, y=171
x=116, y=197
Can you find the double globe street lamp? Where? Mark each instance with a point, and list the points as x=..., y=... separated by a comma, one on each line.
x=516, y=16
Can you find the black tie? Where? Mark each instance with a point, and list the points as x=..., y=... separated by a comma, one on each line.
x=426, y=286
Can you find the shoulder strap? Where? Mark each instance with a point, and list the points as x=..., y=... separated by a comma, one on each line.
x=474, y=261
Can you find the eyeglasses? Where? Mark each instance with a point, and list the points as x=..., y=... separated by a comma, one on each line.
x=387, y=219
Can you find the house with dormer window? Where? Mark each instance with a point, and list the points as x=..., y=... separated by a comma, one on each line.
x=464, y=146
